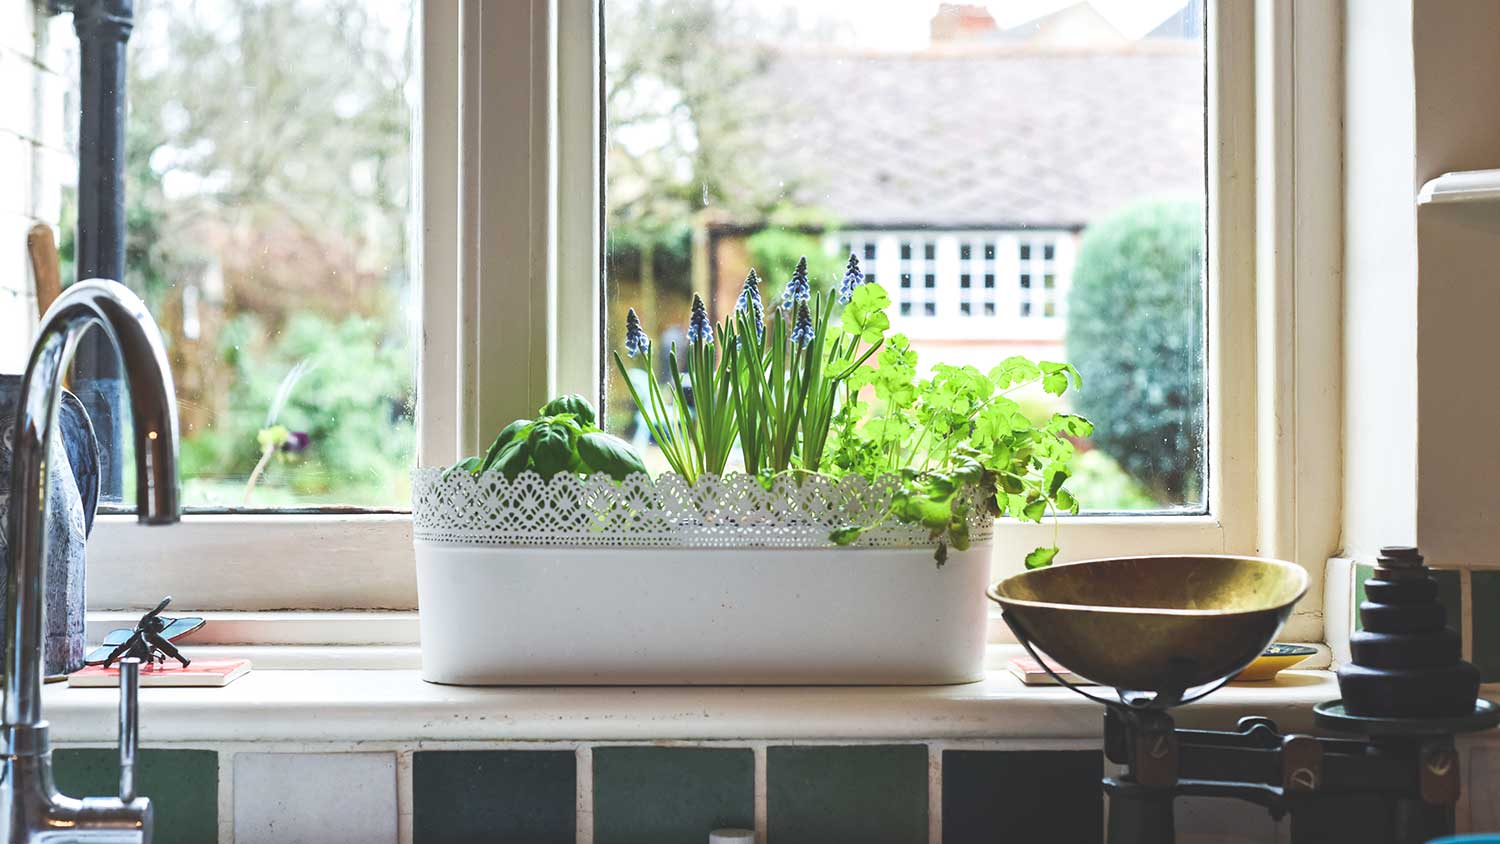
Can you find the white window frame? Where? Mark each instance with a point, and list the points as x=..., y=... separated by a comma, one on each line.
x=510, y=246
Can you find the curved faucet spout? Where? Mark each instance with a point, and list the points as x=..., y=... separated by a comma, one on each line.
x=123, y=317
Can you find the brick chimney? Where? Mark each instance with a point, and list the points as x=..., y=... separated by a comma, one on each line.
x=960, y=22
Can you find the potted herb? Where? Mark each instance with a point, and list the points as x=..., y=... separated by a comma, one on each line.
x=814, y=564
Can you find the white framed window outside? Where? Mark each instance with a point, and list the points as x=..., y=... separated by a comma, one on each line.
x=511, y=253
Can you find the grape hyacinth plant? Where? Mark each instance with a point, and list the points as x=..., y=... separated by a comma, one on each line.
x=802, y=394
x=798, y=288
x=853, y=277
x=696, y=434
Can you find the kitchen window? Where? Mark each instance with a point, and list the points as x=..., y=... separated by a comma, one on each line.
x=545, y=135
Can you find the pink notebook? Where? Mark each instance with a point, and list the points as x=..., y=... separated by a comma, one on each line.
x=202, y=672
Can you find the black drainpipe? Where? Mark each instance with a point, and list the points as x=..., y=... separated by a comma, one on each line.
x=103, y=28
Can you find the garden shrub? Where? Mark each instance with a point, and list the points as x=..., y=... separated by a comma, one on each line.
x=1136, y=329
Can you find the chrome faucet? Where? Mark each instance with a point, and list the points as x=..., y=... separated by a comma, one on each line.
x=32, y=808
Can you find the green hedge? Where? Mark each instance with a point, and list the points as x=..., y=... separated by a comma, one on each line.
x=1136, y=331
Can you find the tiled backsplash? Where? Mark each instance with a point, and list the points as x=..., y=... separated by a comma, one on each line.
x=908, y=793
x=629, y=794
x=675, y=794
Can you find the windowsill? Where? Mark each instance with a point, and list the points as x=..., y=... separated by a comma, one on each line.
x=395, y=705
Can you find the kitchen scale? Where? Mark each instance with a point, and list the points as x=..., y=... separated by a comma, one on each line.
x=1168, y=631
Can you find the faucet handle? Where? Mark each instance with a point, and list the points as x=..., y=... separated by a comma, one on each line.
x=130, y=724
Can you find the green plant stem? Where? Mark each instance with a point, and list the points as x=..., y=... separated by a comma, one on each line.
x=658, y=420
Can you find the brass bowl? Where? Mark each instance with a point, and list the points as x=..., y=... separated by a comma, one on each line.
x=1153, y=624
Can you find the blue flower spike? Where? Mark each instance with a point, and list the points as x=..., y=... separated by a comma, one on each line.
x=636, y=341
x=750, y=295
x=802, y=330
x=798, y=289
x=750, y=303
x=853, y=277
x=700, y=330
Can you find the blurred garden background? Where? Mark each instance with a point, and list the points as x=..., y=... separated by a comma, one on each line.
x=269, y=181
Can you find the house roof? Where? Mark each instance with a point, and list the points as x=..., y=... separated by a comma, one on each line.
x=984, y=135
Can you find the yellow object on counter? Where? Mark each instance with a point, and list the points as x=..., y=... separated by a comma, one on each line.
x=1272, y=661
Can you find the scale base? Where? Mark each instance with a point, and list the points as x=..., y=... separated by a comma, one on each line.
x=1330, y=715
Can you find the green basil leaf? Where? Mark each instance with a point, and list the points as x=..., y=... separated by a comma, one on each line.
x=468, y=464
x=518, y=429
x=551, y=449
x=512, y=459
x=575, y=404
x=609, y=454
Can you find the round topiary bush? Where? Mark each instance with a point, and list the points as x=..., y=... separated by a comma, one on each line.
x=1136, y=331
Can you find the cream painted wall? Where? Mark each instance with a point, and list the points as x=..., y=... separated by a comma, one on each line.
x=1380, y=283
x=1457, y=77
x=1421, y=305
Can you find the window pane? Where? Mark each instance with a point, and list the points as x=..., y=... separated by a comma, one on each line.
x=268, y=191
x=1056, y=150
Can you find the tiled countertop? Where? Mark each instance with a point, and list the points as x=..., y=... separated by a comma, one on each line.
x=397, y=706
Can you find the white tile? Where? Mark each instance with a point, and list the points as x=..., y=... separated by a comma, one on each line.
x=1210, y=820
x=315, y=798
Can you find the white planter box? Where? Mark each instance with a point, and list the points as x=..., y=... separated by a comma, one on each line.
x=495, y=611
x=548, y=616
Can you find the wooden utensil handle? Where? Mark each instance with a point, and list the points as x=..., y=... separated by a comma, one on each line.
x=45, y=268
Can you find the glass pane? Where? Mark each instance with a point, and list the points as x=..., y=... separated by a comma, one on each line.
x=1055, y=149
x=268, y=193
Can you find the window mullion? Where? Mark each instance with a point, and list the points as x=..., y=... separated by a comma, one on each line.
x=436, y=240
x=575, y=339
x=504, y=215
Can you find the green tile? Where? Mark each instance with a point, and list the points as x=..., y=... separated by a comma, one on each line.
x=1450, y=593
x=1031, y=795
x=503, y=796
x=183, y=786
x=1361, y=574
x=666, y=795
x=871, y=794
x=1486, y=599
x=1451, y=596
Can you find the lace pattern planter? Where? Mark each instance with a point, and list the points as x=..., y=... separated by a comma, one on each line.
x=585, y=581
